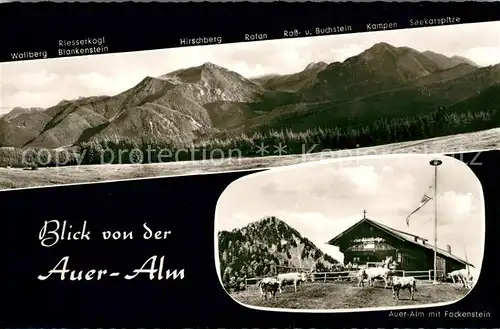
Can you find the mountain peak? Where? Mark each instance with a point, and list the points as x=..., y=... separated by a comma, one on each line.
x=266, y=242
x=465, y=60
x=428, y=52
x=210, y=65
x=21, y=110
x=446, y=62
x=381, y=46
x=316, y=65
x=269, y=221
x=375, y=51
x=17, y=111
x=195, y=73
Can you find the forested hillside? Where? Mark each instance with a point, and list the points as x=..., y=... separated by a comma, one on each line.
x=253, y=250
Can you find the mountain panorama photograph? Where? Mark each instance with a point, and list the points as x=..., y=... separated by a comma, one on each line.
x=144, y=114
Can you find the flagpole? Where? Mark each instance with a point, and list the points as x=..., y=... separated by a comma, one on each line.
x=435, y=163
x=468, y=268
x=465, y=253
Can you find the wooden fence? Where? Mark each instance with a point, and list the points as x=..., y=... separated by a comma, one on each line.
x=276, y=269
x=425, y=276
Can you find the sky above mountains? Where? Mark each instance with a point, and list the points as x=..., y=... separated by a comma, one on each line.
x=46, y=82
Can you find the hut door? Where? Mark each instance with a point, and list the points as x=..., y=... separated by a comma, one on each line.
x=441, y=266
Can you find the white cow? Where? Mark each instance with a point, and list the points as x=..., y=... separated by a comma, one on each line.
x=378, y=273
x=402, y=283
x=461, y=276
x=382, y=273
x=293, y=278
x=361, y=276
x=268, y=285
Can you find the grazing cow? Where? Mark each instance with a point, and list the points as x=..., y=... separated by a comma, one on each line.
x=461, y=276
x=383, y=273
x=378, y=273
x=268, y=285
x=361, y=276
x=310, y=275
x=293, y=278
x=402, y=283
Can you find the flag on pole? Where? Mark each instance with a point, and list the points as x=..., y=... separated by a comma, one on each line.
x=424, y=200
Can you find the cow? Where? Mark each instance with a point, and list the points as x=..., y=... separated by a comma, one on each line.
x=383, y=273
x=293, y=278
x=268, y=285
x=472, y=283
x=378, y=273
x=310, y=275
x=361, y=276
x=402, y=283
x=461, y=276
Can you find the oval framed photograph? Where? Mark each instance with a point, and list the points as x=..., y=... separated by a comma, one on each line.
x=353, y=234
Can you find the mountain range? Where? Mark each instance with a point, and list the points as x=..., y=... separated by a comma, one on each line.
x=252, y=251
x=189, y=104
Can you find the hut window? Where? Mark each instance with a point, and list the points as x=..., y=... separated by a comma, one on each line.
x=399, y=257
